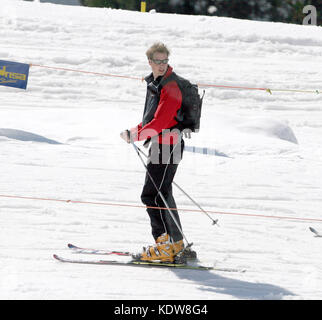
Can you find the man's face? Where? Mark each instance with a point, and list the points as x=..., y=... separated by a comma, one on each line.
x=161, y=68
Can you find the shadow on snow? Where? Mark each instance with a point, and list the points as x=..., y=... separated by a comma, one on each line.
x=25, y=136
x=218, y=284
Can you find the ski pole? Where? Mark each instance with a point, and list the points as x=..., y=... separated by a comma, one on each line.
x=192, y=200
x=160, y=193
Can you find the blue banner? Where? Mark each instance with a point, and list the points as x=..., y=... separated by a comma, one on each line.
x=14, y=74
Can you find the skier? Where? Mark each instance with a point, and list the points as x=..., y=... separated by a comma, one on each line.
x=163, y=100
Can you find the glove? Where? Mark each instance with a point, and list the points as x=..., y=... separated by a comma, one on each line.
x=126, y=135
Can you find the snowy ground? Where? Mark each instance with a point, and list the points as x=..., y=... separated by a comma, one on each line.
x=274, y=143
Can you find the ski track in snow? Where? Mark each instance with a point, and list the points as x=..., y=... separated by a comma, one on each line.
x=274, y=142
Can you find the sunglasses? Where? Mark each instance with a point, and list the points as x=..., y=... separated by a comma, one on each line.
x=165, y=61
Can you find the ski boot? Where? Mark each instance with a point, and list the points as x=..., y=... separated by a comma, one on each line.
x=163, y=251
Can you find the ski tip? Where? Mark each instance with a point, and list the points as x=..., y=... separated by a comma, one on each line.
x=71, y=246
x=55, y=256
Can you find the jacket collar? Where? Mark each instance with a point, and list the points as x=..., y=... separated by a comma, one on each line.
x=150, y=77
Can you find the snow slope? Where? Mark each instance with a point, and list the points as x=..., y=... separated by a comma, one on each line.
x=273, y=142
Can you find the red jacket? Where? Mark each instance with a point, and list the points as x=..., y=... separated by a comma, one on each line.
x=168, y=102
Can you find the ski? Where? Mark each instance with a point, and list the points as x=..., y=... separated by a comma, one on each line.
x=76, y=249
x=132, y=263
x=146, y=264
x=317, y=234
x=97, y=251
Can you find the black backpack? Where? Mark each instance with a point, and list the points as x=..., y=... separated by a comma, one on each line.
x=188, y=116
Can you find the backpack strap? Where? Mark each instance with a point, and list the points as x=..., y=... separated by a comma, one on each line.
x=172, y=77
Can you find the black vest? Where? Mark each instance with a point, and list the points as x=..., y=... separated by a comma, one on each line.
x=152, y=98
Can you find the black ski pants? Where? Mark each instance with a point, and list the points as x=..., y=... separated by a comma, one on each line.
x=162, y=174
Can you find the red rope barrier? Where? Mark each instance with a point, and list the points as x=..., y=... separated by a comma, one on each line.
x=87, y=72
x=231, y=87
x=137, y=78
x=162, y=208
x=199, y=84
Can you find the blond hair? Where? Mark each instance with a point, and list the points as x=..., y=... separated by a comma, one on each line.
x=157, y=47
